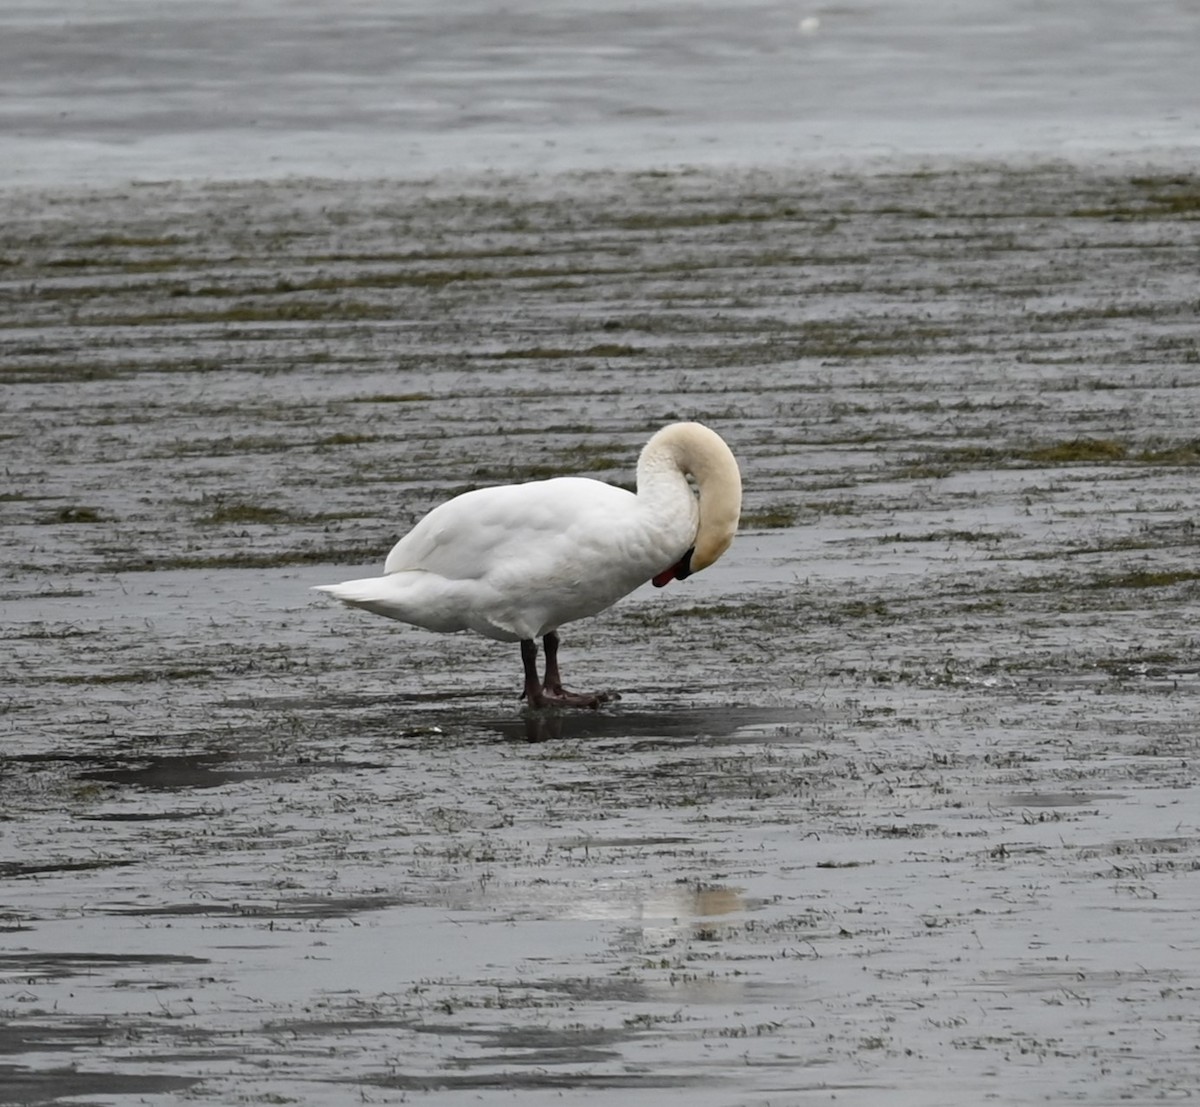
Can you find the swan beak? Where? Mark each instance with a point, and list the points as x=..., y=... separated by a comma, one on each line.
x=681, y=570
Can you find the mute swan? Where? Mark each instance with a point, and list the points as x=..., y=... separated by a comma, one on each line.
x=516, y=562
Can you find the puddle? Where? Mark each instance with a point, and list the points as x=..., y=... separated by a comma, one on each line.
x=185, y=772
x=144, y=816
x=285, y=907
x=649, y=730
x=23, y=1086
x=1059, y=799
x=147, y=772
x=520, y=1080
x=43, y=868
x=61, y=965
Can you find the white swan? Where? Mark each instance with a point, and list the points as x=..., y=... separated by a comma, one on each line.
x=516, y=562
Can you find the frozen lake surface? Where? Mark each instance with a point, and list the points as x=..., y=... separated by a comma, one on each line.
x=112, y=89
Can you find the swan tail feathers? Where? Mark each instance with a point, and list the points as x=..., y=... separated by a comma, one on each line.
x=380, y=595
x=420, y=599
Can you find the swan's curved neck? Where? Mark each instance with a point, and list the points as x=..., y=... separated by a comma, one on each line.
x=691, y=449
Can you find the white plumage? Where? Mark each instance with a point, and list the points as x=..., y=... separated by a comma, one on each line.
x=516, y=562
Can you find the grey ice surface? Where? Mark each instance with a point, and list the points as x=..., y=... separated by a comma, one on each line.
x=105, y=90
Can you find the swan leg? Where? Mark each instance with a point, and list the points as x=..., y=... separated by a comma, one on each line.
x=533, y=686
x=553, y=680
x=550, y=692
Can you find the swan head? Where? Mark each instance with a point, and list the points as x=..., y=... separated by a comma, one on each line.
x=702, y=454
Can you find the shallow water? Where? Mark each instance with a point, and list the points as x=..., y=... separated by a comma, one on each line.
x=113, y=90
x=899, y=798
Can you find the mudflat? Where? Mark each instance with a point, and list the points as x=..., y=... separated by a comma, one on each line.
x=899, y=801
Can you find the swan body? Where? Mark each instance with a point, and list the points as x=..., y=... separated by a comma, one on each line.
x=516, y=562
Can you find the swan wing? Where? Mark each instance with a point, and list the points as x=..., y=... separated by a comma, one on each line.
x=489, y=530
